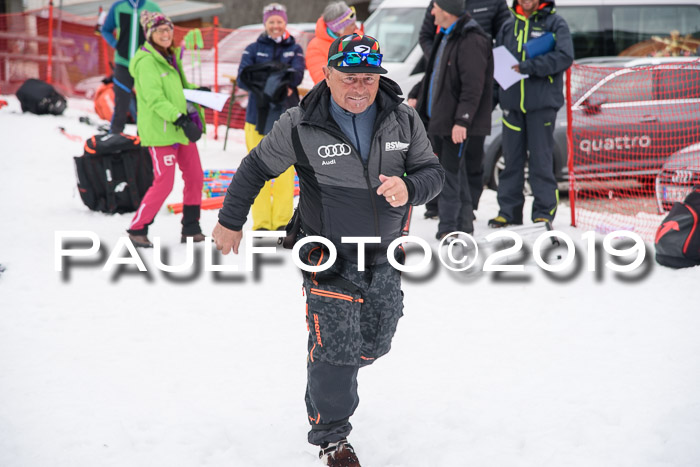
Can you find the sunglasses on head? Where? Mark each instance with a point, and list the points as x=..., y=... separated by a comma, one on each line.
x=274, y=6
x=356, y=58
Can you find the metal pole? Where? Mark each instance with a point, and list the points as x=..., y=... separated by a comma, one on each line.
x=570, y=148
x=216, y=73
x=49, y=64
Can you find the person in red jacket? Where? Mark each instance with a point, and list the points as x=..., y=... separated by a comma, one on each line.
x=338, y=20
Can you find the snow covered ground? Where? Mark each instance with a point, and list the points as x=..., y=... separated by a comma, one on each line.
x=151, y=369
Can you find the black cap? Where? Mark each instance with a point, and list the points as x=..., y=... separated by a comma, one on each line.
x=453, y=7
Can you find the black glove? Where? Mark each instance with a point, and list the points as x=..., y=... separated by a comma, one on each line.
x=204, y=88
x=191, y=130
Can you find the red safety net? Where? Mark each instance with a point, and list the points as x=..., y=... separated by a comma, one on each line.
x=634, y=136
x=80, y=58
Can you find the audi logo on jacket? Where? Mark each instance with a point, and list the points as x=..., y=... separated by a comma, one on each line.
x=338, y=192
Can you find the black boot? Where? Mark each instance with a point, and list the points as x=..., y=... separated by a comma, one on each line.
x=190, y=223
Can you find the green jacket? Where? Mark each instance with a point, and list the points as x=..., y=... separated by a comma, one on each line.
x=159, y=97
x=123, y=17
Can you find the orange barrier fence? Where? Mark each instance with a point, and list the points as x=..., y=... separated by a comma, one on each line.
x=69, y=52
x=632, y=144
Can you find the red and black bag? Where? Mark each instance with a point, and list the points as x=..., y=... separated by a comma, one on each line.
x=114, y=173
x=678, y=237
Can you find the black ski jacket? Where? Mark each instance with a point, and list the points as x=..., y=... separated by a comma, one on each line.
x=490, y=14
x=465, y=82
x=338, y=192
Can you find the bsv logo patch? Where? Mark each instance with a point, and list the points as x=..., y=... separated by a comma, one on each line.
x=396, y=146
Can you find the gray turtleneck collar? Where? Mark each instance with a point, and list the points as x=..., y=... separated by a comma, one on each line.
x=357, y=127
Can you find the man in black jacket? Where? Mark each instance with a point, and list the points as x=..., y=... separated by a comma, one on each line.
x=362, y=156
x=455, y=104
x=490, y=14
x=530, y=109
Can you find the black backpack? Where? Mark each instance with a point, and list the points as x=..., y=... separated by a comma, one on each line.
x=39, y=97
x=678, y=237
x=114, y=173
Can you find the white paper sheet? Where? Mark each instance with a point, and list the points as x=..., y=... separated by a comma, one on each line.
x=213, y=100
x=503, y=72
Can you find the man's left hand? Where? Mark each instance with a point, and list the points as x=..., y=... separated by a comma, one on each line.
x=394, y=190
x=459, y=134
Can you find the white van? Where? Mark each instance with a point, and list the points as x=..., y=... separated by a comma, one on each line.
x=598, y=28
x=396, y=25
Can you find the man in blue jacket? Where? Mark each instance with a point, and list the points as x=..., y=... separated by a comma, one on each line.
x=123, y=18
x=530, y=109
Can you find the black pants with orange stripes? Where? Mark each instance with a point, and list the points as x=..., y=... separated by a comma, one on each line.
x=352, y=317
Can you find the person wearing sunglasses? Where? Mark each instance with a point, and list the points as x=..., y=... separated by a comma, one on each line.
x=274, y=50
x=455, y=104
x=362, y=157
x=338, y=19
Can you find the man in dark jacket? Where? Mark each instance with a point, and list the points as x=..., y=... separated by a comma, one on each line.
x=362, y=157
x=455, y=104
x=490, y=14
x=530, y=109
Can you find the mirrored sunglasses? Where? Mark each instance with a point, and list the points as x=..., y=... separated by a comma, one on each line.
x=356, y=58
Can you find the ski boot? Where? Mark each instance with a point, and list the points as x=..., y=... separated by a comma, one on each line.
x=338, y=454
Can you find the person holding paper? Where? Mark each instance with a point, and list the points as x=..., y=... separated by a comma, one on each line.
x=541, y=42
x=169, y=126
x=455, y=105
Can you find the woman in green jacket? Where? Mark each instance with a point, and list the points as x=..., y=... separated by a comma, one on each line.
x=167, y=127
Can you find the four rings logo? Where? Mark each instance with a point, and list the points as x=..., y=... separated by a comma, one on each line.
x=333, y=150
x=682, y=176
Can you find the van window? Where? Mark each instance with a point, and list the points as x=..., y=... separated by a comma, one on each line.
x=634, y=24
x=608, y=30
x=397, y=31
x=586, y=31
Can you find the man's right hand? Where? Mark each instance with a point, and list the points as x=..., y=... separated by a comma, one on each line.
x=226, y=239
